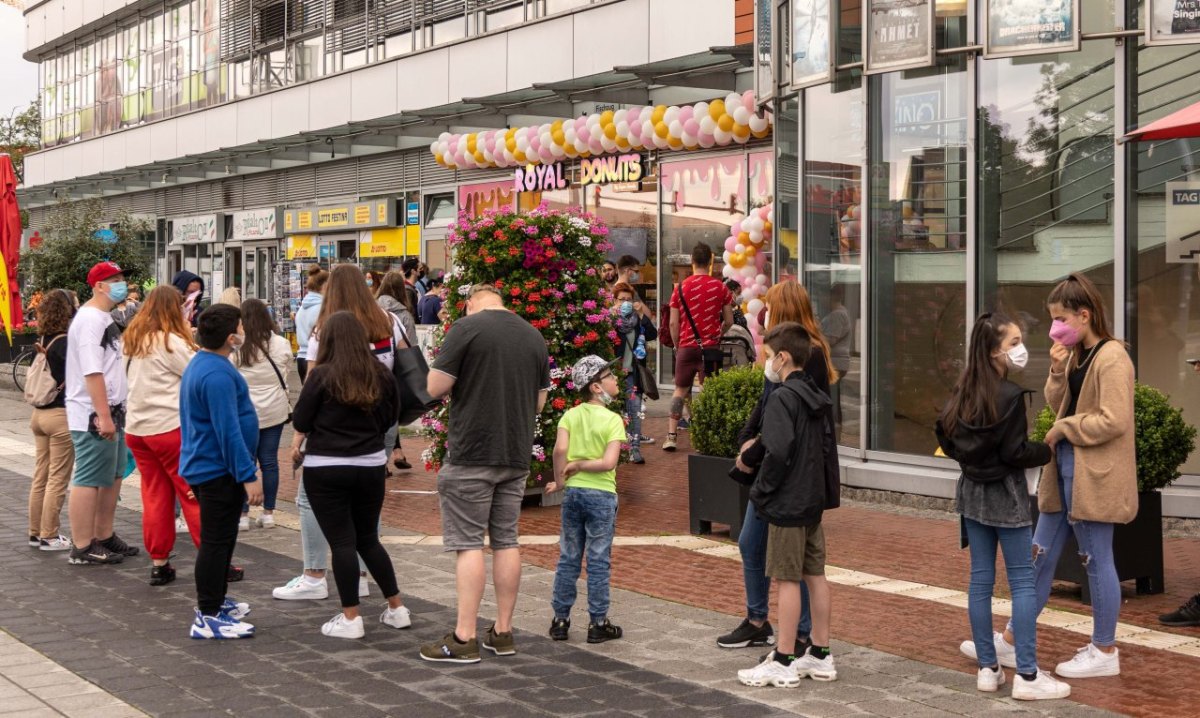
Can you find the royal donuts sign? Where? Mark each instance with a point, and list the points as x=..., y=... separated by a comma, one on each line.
x=592, y=171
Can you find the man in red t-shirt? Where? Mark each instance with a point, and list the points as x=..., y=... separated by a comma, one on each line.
x=709, y=303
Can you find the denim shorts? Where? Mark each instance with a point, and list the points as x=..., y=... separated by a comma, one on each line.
x=479, y=499
x=98, y=462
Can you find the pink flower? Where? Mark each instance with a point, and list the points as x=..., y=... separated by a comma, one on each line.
x=589, y=304
x=571, y=287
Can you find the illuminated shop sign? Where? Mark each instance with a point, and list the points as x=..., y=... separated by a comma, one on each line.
x=608, y=169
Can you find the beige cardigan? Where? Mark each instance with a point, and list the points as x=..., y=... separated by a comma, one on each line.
x=1105, y=485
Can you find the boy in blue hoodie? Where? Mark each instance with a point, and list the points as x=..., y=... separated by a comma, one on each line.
x=220, y=433
x=796, y=483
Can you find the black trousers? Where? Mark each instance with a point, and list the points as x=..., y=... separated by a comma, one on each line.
x=302, y=368
x=346, y=501
x=220, y=508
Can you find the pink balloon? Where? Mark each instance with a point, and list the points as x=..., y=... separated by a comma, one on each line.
x=548, y=157
x=686, y=113
x=535, y=143
x=595, y=147
x=706, y=140
x=748, y=101
x=460, y=158
x=691, y=127
x=632, y=115
x=760, y=260
x=730, y=243
x=736, y=228
x=580, y=123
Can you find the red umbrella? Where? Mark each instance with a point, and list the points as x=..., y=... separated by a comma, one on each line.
x=1178, y=125
x=10, y=236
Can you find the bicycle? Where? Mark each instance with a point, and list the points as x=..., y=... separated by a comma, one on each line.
x=20, y=365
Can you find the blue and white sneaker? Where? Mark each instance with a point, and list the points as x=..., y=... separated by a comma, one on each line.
x=236, y=609
x=220, y=626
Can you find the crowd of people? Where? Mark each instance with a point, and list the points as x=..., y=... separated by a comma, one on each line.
x=200, y=397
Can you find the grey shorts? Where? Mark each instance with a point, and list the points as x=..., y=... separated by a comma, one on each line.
x=478, y=499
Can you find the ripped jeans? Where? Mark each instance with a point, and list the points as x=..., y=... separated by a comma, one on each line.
x=1095, y=548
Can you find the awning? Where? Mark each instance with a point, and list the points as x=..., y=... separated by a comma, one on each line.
x=1182, y=124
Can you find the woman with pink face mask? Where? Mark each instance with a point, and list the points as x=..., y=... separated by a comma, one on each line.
x=1091, y=485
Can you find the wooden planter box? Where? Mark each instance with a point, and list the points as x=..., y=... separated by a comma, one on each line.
x=713, y=497
x=1137, y=550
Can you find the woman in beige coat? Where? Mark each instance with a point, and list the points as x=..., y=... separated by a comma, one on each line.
x=1092, y=483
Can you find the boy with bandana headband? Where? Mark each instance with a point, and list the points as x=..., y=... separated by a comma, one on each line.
x=586, y=453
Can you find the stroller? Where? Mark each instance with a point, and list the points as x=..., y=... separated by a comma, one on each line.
x=737, y=347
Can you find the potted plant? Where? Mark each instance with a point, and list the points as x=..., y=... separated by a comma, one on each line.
x=1164, y=441
x=718, y=414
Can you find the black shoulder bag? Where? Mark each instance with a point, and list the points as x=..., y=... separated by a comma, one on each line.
x=711, y=356
x=412, y=374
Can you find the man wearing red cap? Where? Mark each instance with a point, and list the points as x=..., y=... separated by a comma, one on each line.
x=95, y=395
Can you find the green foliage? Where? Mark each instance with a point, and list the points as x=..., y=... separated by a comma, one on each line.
x=69, y=249
x=1163, y=437
x=721, y=409
x=20, y=134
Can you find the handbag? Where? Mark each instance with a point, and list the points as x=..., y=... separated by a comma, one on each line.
x=711, y=355
x=646, y=379
x=412, y=374
x=282, y=383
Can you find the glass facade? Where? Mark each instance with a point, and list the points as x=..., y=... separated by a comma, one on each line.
x=930, y=195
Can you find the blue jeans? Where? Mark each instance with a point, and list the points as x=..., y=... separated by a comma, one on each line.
x=633, y=410
x=753, y=544
x=1016, y=543
x=268, y=462
x=1095, y=550
x=589, y=519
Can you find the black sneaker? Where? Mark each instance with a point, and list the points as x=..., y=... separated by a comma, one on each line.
x=802, y=646
x=1186, y=615
x=115, y=544
x=162, y=575
x=560, y=628
x=601, y=632
x=93, y=553
x=747, y=635
x=234, y=574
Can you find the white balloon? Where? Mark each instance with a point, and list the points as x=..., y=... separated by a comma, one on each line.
x=721, y=136
x=771, y=216
x=747, y=294
x=732, y=100
x=727, y=271
x=607, y=144
x=747, y=271
x=593, y=121
x=618, y=117
x=756, y=237
x=739, y=248
x=707, y=125
x=741, y=116
x=700, y=110
x=557, y=150
x=674, y=128
x=522, y=143
x=758, y=124
x=725, y=257
x=754, y=307
x=761, y=279
x=671, y=114
x=623, y=129
x=688, y=140
x=740, y=139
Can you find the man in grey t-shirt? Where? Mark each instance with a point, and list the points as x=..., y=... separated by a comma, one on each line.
x=496, y=369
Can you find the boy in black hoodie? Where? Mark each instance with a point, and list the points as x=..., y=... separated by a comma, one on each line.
x=791, y=492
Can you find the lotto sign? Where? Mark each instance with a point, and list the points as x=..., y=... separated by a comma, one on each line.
x=1183, y=222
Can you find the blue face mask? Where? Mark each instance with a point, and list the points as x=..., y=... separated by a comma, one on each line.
x=370, y=282
x=626, y=308
x=118, y=291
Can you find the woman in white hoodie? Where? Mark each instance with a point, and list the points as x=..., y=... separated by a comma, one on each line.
x=306, y=317
x=264, y=360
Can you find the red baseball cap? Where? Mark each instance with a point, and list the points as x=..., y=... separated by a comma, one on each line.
x=103, y=272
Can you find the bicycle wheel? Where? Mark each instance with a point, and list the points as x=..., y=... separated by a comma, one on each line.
x=20, y=368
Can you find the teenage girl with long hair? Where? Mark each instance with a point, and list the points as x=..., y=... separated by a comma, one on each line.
x=264, y=360
x=983, y=428
x=55, y=455
x=787, y=302
x=158, y=346
x=346, y=291
x=344, y=410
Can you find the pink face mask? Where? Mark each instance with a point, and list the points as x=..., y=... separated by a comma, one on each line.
x=1063, y=333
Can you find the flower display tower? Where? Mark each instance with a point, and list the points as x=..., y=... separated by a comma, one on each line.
x=545, y=264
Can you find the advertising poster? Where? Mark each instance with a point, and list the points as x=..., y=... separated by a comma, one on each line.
x=897, y=34
x=1183, y=222
x=1172, y=22
x=1030, y=27
x=811, y=41
x=764, y=76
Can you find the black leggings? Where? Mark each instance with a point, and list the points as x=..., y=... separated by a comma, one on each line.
x=302, y=368
x=220, y=508
x=346, y=501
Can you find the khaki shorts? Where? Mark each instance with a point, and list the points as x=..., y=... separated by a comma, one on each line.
x=794, y=552
x=479, y=499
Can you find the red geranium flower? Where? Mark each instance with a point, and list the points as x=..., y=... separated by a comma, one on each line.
x=559, y=403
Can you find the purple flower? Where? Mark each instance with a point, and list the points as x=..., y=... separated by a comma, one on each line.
x=531, y=231
x=571, y=287
x=589, y=304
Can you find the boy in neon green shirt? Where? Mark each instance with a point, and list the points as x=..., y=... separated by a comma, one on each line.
x=585, y=463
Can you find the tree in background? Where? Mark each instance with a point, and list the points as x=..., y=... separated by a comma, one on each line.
x=546, y=265
x=20, y=134
x=71, y=246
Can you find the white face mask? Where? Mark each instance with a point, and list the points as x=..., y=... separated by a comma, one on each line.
x=606, y=398
x=238, y=340
x=1017, y=357
x=771, y=373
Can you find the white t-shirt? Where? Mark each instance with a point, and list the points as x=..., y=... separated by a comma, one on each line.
x=383, y=351
x=93, y=347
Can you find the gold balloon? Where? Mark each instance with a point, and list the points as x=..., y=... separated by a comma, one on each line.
x=741, y=130
x=737, y=260
x=519, y=156
x=716, y=110
x=766, y=228
x=662, y=130
x=743, y=238
x=751, y=250
x=725, y=122
x=657, y=115
x=610, y=131
x=606, y=117
x=558, y=137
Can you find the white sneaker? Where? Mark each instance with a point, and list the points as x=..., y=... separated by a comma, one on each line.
x=1005, y=653
x=266, y=521
x=364, y=588
x=244, y=523
x=989, y=681
x=181, y=526
x=301, y=588
x=396, y=617
x=58, y=543
x=770, y=673
x=1091, y=662
x=1044, y=687
x=341, y=627
x=818, y=669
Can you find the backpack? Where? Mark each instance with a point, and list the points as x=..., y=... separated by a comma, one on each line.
x=40, y=387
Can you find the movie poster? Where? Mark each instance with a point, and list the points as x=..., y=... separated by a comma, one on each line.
x=811, y=39
x=1030, y=27
x=898, y=34
x=1173, y=22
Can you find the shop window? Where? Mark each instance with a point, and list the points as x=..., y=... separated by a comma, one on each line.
x=1034, y=189
x=440, y=210
x=831, y=226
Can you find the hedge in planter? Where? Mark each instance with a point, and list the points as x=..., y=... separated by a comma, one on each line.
x=718, y=414
x=1164, y=440
x=545, y=264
